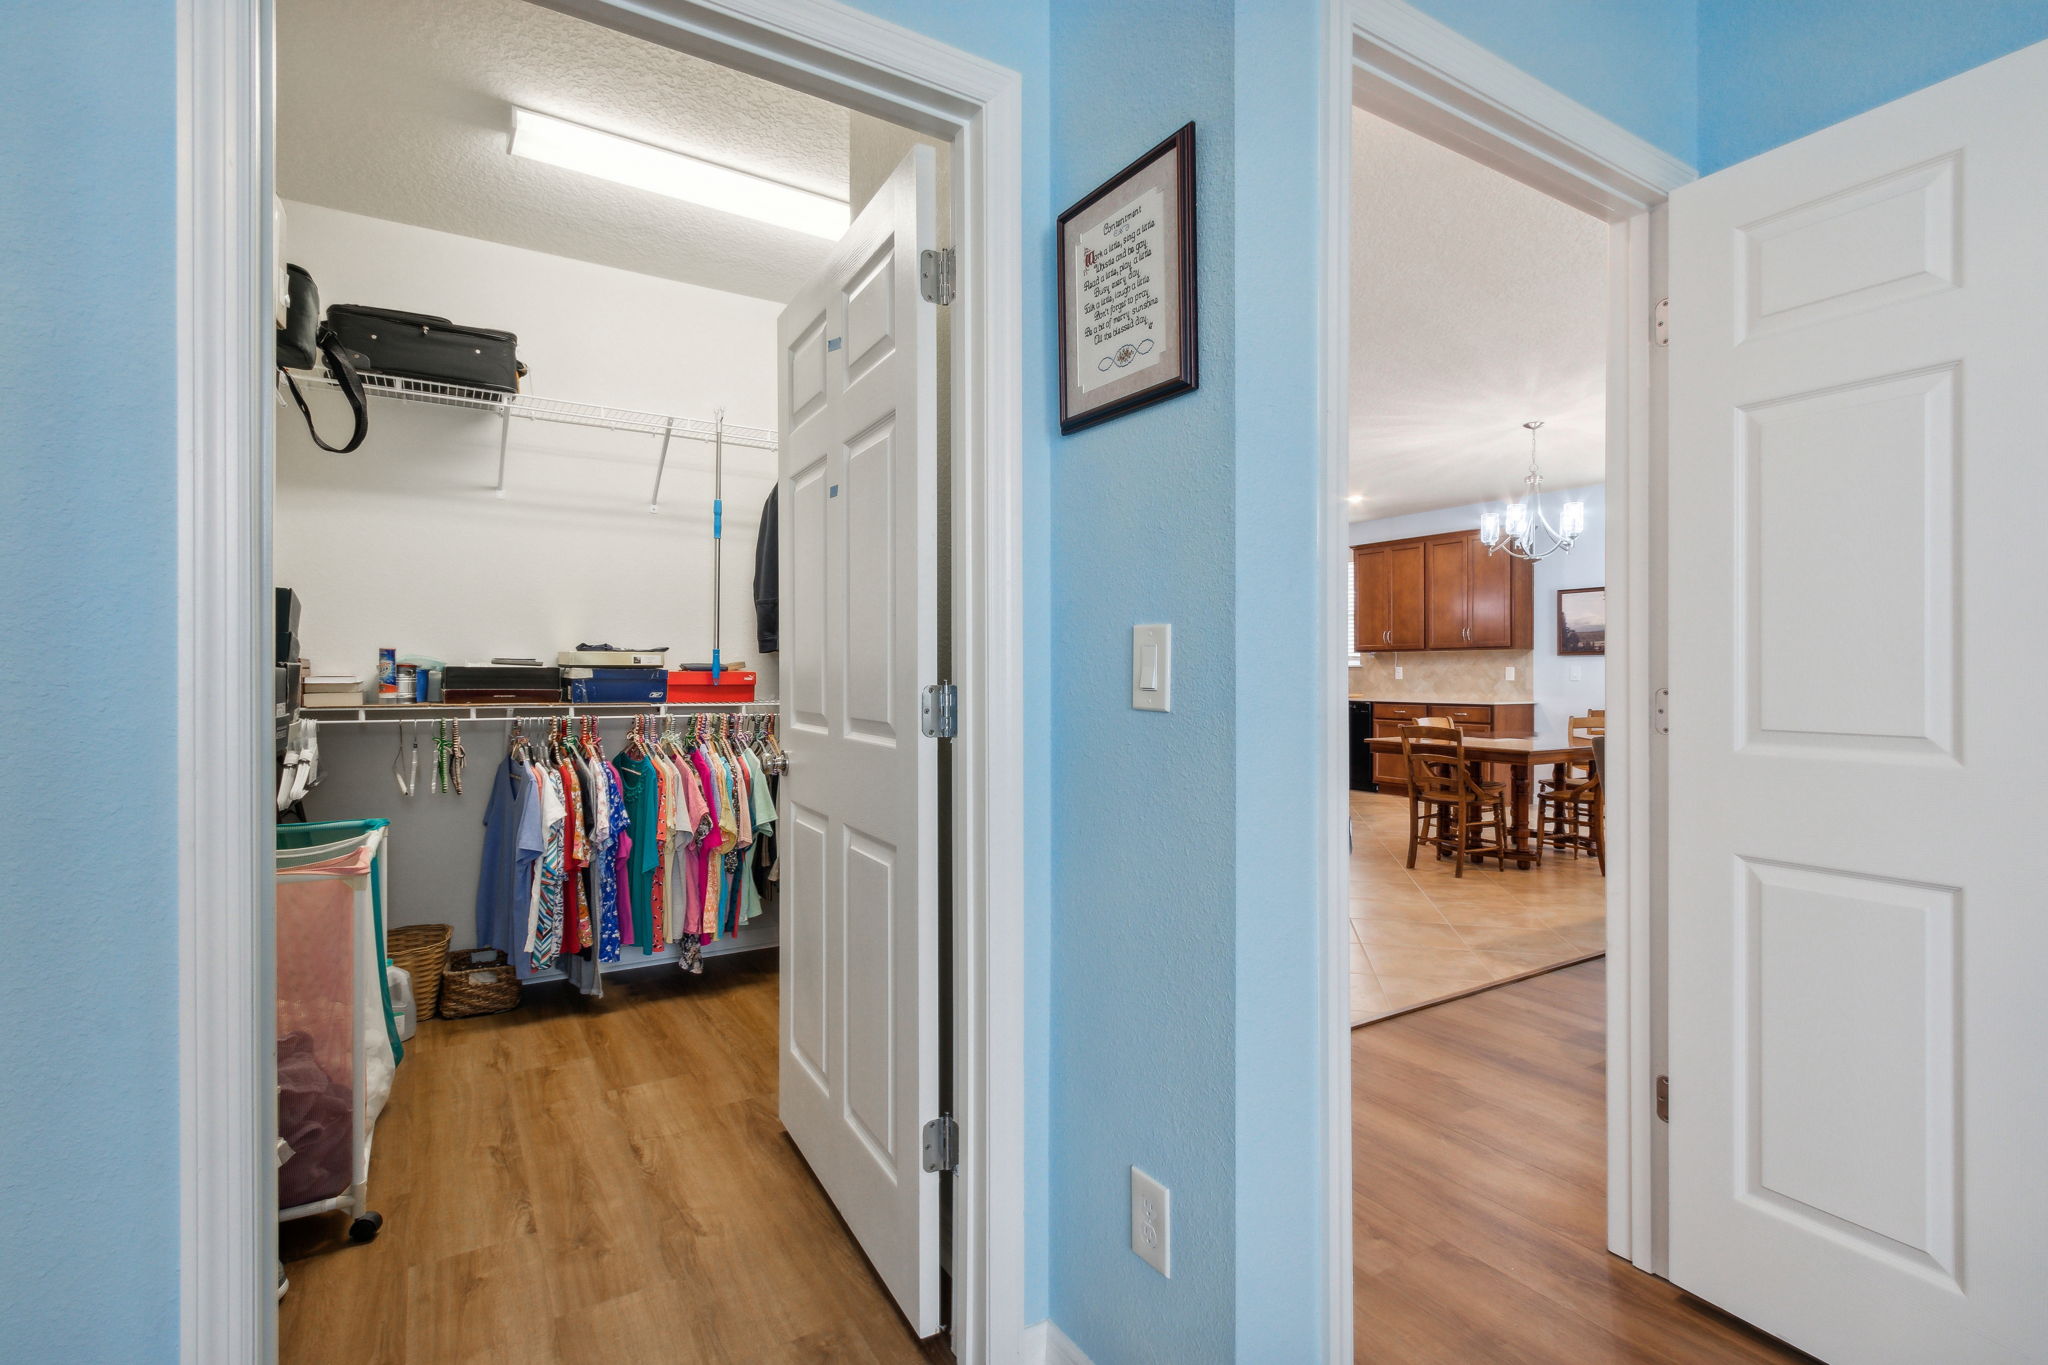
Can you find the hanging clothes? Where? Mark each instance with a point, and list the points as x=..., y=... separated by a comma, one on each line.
x=767, y=596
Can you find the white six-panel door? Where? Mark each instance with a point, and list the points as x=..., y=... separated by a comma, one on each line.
x=1859, y=645
x=858, y=571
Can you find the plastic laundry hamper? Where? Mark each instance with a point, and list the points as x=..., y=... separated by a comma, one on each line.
x=337, y=1045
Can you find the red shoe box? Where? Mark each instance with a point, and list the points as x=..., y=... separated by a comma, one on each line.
x=734, y=684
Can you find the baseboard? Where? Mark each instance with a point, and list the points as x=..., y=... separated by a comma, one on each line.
x=1046, y=1344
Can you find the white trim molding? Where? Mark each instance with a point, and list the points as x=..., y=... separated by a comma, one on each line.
x=1046, y=1344
x=226, y=1019
x=1428, y=77
x=227, y=1081
x=1408, y=68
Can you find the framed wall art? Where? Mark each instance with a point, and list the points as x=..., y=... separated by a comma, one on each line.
x=1128, y=327
x=1582, y=620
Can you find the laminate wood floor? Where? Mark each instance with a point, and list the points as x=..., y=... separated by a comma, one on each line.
x=1479, y=1194
x=1423, y=936
x=593, y=1181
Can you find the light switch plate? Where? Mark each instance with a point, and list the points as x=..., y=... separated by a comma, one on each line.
x=1152, y=668
x=1573, y=674
x=1152, y=1222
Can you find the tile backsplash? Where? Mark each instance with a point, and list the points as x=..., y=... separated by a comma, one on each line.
x=1446, y=675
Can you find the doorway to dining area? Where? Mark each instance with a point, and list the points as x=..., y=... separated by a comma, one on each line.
x=1477, y=518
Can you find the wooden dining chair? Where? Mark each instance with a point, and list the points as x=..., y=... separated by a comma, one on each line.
x=1571, y=811
x=1470, y=817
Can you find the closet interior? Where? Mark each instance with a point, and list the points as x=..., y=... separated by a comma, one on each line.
x=531, y=764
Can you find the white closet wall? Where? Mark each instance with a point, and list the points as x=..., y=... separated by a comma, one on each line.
x=403, y=543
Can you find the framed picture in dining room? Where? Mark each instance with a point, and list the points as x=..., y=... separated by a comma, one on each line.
x=1582, y=620
x=1129, y=335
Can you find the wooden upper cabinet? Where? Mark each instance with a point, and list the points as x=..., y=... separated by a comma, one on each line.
x=1450, y=588
x=1392, y=596
x=1491, y=598
x=1443, y=592
x=1369, y=581
x=1407, y=596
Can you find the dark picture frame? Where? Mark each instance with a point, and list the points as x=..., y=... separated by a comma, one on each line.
x=1582, y=620
x=1130, y=247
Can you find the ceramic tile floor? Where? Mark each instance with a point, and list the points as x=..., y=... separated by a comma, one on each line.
x=1428, y=935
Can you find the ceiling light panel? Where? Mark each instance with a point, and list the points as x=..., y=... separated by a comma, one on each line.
x=625, y=161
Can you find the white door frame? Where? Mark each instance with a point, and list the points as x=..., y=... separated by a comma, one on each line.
x=1406, y=67
x=226, y=969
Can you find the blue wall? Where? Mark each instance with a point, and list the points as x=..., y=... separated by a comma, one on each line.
x=1143, y=899
x=1772, y=71
x=1634, y=61
x=89, y=1074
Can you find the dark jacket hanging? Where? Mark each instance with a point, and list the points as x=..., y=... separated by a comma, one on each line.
x=766, y=599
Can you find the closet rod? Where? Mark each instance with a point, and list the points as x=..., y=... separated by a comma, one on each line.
x=430, y=711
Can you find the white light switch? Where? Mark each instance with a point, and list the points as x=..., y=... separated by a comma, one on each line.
x=1573, y=673
x=1152, y=1222
x=1152, y=668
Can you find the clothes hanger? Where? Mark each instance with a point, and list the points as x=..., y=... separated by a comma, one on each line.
x=398, y=766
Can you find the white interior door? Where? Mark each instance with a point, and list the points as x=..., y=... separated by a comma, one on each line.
x=1858, y=1017
x=859, y=629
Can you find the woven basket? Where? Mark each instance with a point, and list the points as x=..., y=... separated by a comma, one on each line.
x=422, y=949
x=478, y=981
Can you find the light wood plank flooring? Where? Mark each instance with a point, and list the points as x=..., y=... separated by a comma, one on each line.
x=1429, y=935
x=593, y=1181
x=1479, y=1194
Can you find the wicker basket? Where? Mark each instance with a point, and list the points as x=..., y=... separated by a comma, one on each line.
x=478, y=981
x=422, y=949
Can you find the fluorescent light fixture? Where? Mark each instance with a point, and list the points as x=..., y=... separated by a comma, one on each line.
x=542, y=137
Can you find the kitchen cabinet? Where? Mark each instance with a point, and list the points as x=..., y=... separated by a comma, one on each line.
x=1507, y=719
x=1392, y=596
x=1442, y=592
x=1478, y=599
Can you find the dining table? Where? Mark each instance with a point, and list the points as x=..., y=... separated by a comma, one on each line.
x=1522, y=756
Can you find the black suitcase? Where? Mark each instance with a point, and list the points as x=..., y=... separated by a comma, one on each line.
x=419, y=346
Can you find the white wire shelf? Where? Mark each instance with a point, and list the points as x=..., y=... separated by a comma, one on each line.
x=717, y=433
x=536, y=408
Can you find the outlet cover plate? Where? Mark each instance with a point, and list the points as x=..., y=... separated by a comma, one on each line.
x=1152, y=1222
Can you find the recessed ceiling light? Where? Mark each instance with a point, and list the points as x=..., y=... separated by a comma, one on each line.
x=541, y=137
x=1355, y=499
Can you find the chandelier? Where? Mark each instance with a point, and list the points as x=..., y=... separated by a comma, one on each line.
x=1525, y=526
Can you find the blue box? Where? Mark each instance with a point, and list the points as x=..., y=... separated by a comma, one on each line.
x=601, y=685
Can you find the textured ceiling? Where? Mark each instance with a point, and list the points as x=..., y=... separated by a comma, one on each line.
x=1478, y=304
x=400, y=109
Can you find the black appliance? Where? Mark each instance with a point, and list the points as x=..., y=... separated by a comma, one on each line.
x=1360, y=748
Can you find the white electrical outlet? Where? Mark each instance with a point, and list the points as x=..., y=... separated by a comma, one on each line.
x=1152, y=1222
x=1511, y=672
x=1397, y=672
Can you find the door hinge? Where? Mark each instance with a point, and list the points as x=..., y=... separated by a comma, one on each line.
x=1660, y=710
x=935, y=272
x=1663, y=1100
x=942, y=1144
x=1660, y=322
x=938, y=712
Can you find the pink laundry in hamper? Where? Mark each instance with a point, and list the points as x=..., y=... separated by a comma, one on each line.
x=315, y=1019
